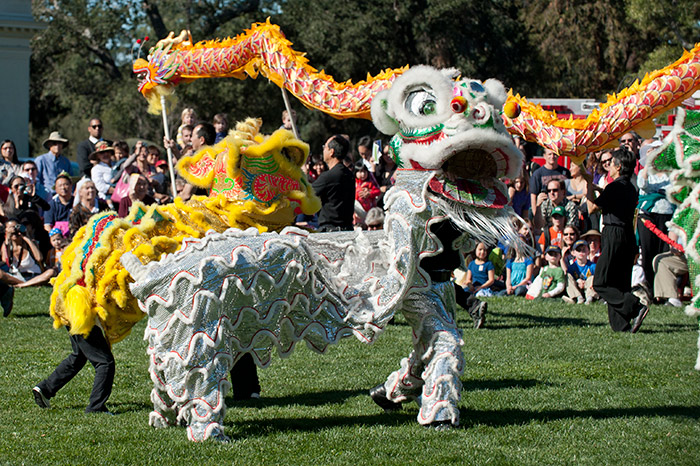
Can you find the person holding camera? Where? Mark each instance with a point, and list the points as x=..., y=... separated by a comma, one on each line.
x=19, y=252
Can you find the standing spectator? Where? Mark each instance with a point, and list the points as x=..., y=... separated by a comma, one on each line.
x=336, y=187
x=655, y=208
x=60, y=206
x=384, y=173
x=543, y=175
x=87, y=147
x=612, y=280
x=88, y=204
x=554, y=197
x=220, y=126
x=50, y=164
x=9, y=163
x=101, y=173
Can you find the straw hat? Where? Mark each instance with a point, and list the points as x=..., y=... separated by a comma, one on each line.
x=55, y=136
x=101, y=146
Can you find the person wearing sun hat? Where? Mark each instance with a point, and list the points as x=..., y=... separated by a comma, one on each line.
x=53, y=162
x=101, y=172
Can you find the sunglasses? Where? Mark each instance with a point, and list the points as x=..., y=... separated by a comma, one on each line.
x=606, y=161
x=18, y=186
x=556, y=190
x=95, y=126
x=569, y=234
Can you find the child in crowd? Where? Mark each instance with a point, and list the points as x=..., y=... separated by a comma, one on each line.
x=480, y=272
x=519, y=267
x=220, y=122
x=187, y=117
x=520, y=196
x=58, y=243
x=568, y=239
x=553, y=279
x=366, y=192
x=580, y=276
x=553, y=235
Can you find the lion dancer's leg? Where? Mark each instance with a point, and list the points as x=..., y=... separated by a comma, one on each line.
x=431, y=374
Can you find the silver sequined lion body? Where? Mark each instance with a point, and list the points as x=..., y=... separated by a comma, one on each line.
x=241, y=291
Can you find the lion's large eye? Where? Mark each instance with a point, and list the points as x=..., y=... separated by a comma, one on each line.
x=421, y=102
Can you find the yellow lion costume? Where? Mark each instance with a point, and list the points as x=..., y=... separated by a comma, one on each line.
x=255, y=181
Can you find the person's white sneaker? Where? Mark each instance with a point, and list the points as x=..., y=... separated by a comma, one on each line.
x=675, y=302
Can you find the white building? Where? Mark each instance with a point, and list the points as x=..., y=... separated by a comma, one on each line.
x=17, y=27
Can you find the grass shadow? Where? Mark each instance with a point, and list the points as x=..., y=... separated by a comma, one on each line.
x=469, y=419
x=531, y=320
x=301, y=399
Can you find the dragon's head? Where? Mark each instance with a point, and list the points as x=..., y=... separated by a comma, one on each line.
x=453, y=128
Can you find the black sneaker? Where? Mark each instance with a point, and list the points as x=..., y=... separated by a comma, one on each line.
x=637, y=321
x=378, y=395
x=39, y=398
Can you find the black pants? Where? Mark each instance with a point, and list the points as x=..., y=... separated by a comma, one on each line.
x=651, y=244
x=613, y=276
x=95, y=349
x=244, y=378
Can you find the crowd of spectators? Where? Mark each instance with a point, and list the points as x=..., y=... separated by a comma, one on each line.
x=44, y=201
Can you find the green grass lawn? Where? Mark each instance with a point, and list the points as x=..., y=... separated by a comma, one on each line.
x=544, y=383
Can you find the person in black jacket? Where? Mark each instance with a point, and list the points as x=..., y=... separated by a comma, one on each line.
x=87, y=147
x=335, y=187
x=613, y=274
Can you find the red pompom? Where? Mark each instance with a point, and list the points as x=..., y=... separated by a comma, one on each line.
x=145, y=39
x=138, y=41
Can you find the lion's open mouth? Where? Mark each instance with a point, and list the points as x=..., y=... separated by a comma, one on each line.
x=471, y=177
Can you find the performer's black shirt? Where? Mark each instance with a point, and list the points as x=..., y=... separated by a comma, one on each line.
x=618, y=201
x=336, y=189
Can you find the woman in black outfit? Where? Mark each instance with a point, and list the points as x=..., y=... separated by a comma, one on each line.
x=613, y=273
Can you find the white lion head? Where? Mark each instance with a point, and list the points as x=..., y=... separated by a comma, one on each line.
x=453, y=127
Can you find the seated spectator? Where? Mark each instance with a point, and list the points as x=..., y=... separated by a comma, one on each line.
x=138, y=191
x=19, y=252
x=101, y=172
x=552, y=279
x=375, y=219
x=568, y=239
x=592, y=237
x=60, y=206
x=480, y=273
x=671, y=268
x=87, y=204
x=520, y=196
x=519, y=267
x=52, y=265
x=366, y=193
x=554, y=234
x=580, y=276
x=187, y=118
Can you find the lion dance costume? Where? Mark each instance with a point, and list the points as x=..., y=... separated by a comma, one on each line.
x=217, y=279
